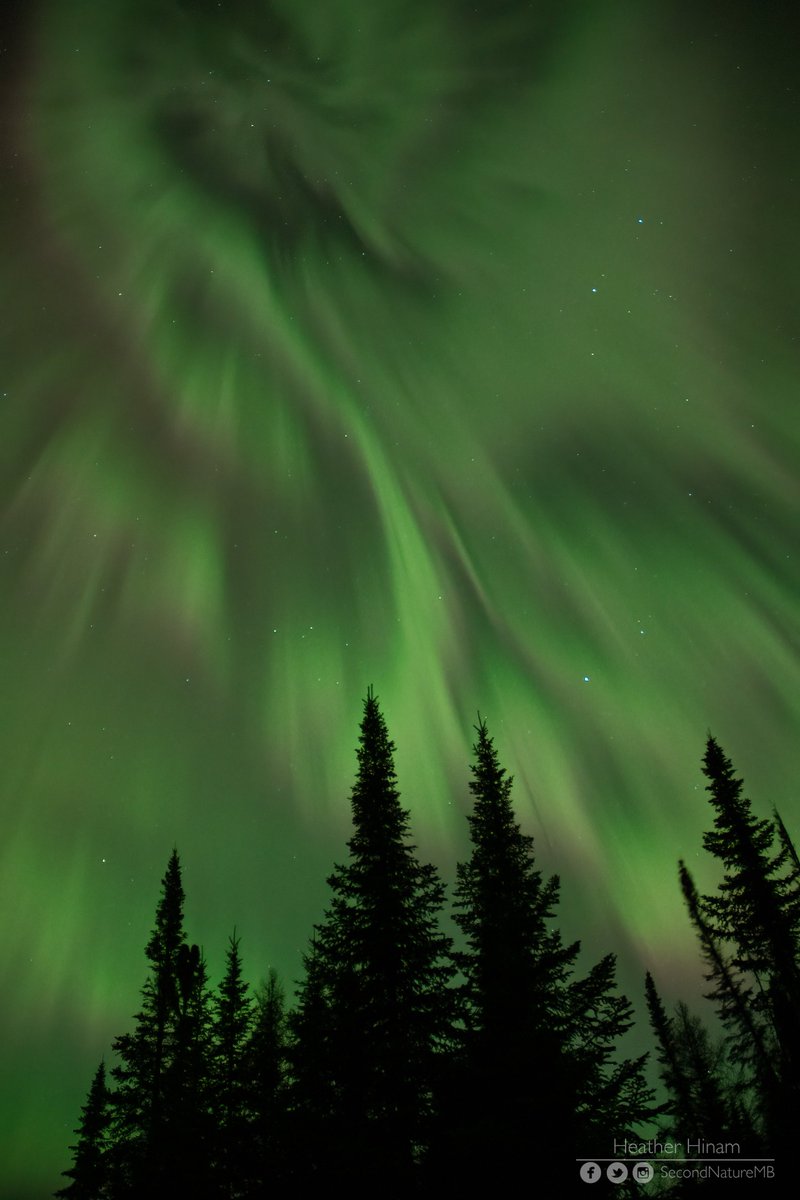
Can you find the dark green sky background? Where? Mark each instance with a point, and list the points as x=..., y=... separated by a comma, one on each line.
x=448, y=347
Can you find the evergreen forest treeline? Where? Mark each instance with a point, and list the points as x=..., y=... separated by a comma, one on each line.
x=406, y=1064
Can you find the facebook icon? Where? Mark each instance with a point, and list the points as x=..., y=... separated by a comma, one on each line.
x=590, y=1172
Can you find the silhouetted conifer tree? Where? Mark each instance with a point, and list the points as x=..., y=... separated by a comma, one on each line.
x=188, y=1107
x=704, y=1095
x=677, y=1082
x=613, y=1096
x=315, y=1123
x=265, y=1065
x=536, y=1073
x=748, y=1043
x=375, y=1002
x=757, y=906
x=516, y=1084
x=229, y=1077
x=750, y=935
x=89, y=1170
x=160, y=1123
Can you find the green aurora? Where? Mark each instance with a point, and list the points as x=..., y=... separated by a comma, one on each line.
x=447, y=347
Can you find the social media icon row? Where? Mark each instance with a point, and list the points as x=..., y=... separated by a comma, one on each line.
x=617, y=1172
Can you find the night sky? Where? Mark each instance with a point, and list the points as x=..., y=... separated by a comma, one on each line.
x=444, y=346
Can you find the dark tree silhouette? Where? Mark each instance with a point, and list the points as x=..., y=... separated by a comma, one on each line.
x=792, y=880
x=144, y=1054
x=265, y=1066
x=748, y=1043
x=673, y=1071
x=612, y=1095
x=375, y=1002
x=315, y=1121
x=536, y=1073
x=513, y=1076
x=89, y=1170
x=159, y=1125
x=704, y=1094
x=749, y=933
x=189, y=1124
x=233, y=1009
x=757, y=906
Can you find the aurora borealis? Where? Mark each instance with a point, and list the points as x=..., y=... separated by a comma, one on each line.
x=446, y=347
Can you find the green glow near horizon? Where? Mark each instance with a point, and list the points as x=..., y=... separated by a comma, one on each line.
x=308, y=388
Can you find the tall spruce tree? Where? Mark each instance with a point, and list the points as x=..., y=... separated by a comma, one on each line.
x=750, y=935
x=159, y=1110
x=749, y=1041
x=233, y=1017
x=515, y=1084
x=89, y=1170
x=536, y=1072
x=377, y=982
x=757, y=906
x=265, y=1062
x=315, y=1129
x=188, y=1094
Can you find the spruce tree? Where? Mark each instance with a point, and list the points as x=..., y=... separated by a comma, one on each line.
x=265, y=1073
x=233, y=1008
x=188, y=1094
x=537, y=1074
x=89, y=1170
x=159, y=1126
x=757, y=907
x=674, y=1077
x=750, y=934
x=748, y=1042
x=315, y=1128
x=611, y=1090
x=703, y=1093
x=516, y=1092
x=377, y=981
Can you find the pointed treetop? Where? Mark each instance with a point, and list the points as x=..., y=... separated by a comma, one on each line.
x=168, y=934
x=663, y=1028
x=502, y=905
x=486, y=769
x=88, y=1172
x=374, y=796
x=492, y=822
x=374, y=733
x=739, y=838
x=233, y=984
x=719, y=771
